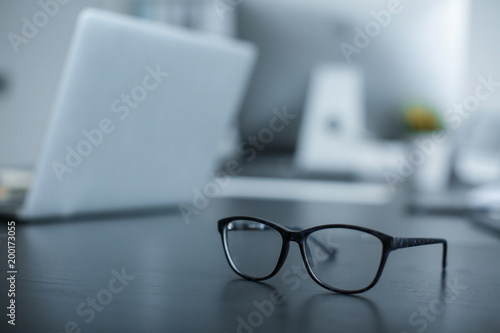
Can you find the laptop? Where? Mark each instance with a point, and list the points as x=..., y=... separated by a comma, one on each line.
x=138, y=119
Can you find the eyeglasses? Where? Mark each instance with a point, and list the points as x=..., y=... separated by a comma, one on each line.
x=342, y=258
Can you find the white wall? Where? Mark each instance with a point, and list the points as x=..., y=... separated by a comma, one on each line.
x=484, y=57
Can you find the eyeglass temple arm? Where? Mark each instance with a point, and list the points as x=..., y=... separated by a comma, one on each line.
x=400, y=243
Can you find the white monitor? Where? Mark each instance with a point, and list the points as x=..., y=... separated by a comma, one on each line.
x=419, y=55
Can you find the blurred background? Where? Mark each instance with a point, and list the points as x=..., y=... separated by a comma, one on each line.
x=370, y=83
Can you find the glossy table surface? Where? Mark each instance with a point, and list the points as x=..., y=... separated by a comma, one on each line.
x=156, y=273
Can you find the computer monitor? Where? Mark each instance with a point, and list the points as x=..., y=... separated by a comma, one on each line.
x=418, y=56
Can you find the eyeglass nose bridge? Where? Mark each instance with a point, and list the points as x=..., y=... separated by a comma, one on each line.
x=295, y=236
x=299, y=237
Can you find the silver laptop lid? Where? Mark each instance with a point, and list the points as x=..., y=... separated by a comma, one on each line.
x=140, y=112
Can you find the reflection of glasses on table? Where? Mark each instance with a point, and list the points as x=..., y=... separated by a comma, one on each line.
x=341, y=258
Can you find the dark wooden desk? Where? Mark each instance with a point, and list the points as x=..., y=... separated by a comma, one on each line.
x=155, y=273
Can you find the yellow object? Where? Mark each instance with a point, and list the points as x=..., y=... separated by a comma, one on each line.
x=420, y=118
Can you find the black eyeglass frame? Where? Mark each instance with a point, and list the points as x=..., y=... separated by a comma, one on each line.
x=389, y=244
